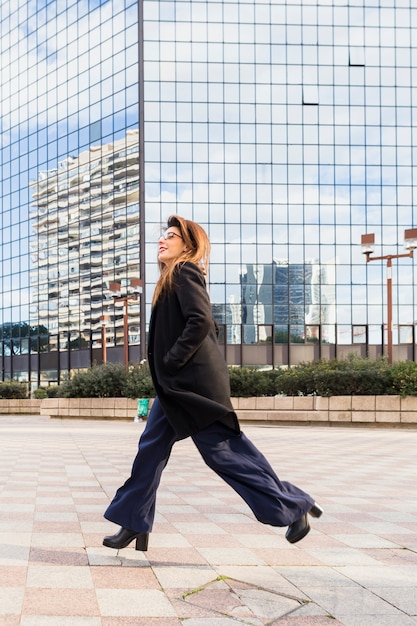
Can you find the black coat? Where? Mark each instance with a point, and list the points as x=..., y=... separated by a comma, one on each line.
x=189, y=373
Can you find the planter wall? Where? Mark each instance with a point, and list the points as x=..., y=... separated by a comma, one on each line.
x=20, y=407
x=91, y=408
x=336, y=410
x=368, y=410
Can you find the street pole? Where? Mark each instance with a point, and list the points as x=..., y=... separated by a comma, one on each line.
x=388, y=258
x=389, y=306
x=136, y=283
x=104, y=319
x=368, y=240
x=125, y=334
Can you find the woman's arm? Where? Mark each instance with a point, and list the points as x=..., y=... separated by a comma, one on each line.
x=190, y=291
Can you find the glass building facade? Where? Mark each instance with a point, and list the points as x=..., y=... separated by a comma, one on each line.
x=285, y=128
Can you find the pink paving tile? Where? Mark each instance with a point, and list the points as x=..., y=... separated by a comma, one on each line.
x=410, y=525
x=56, y=527
x=86, y=489
x=209, y=541
x=94, y=540
x=174, y=556
x=223, y=600
x=320, y=540
x=12, y=501
x=355, y=516
x=124, y=578
x=140, y=621
x=392, y=556
x=81, y=602
x=178, y=516
x=15, y=516
x=405, y=541
x=242, y=529
x=57, y=556
x=335, y=528
x=213, y=510
x=56, y=508
x=306, y=620
x=12, y=576
x=9, y=620
x=287, y=556
x=164, y=527
x=188, y=610
x=88, y=516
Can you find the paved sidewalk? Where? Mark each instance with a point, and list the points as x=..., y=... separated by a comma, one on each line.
x=209, y=563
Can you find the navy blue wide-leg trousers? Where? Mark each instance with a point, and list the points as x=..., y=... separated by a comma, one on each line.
x=232, y=456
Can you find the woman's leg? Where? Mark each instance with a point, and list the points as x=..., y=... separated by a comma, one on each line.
x=235, y=459
x=133, y=506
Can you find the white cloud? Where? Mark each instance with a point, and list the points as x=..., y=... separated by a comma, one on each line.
x=37, y=59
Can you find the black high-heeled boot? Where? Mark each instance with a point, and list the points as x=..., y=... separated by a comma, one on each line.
x=316, y=510
x=125, y=536
x=301, y=527
x=298, y=529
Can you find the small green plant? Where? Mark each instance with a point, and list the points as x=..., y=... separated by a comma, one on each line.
x=40, y=393
x=52, y=391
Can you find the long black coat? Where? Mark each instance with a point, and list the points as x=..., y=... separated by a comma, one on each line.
x=189, y=373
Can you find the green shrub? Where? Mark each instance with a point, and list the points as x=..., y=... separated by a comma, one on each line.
x=352, y=383
x=246, y=382
x=404, y=378
x=40, y=393
x=13, y=390
x=350, y=376
x=296, y=381
x=108, y=381
x=46, y=392
x=101, y=381
x=139, y=382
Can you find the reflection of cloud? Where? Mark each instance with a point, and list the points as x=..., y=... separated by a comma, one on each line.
x=15, y=297
x=56, y=50
x=15, y=305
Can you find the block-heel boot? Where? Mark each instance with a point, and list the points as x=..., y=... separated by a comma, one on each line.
x=301, y=527
x=125, y=536
x=316, y=510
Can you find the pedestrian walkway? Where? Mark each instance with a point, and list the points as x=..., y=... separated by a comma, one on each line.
x=209, y=563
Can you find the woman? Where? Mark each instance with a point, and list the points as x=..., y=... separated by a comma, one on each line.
x=191, y=380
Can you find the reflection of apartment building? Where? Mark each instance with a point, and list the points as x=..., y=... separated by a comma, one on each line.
x=85, y=221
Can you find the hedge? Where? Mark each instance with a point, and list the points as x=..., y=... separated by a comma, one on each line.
x=13, y=390
x=351, y=376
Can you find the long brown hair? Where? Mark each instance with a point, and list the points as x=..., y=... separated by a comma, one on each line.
x=198, y=252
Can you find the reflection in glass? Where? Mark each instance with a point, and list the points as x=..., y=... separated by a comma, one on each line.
x=286, y=133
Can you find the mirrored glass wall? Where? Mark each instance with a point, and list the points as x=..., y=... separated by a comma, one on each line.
x=286, y=128
x=70, y=226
